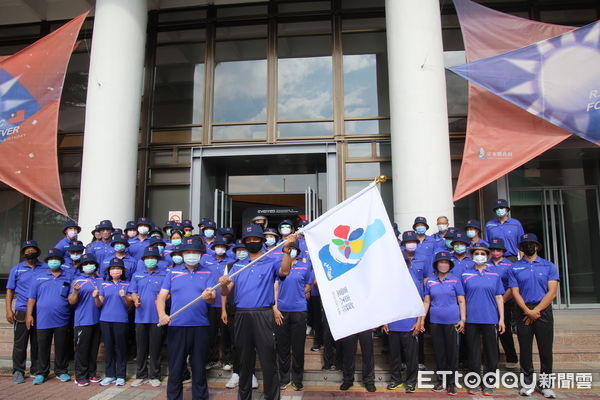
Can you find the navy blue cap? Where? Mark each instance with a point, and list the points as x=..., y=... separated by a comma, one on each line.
x=529, y=237
x=120, y=239
x=460, y=237
x=450, y=233
x=155, y=241
x=75, y=245
x=479, y=246
x=501, y=203
x=54, y=253
x=497, y=243
x=210, y=224
x=219, y=240
x=71, y=224
x=443, y=255
x=409, y=236
x=301, y=223
x=226, y=230
x=116, y=262
x=193, y=243
x=203, y=221
x=253, y=230
x=396, y=230
x=88, y=258
x=176, y=249
x=105, y=224
x=117, y=231
x=155, y=229
x=168, y=224
x=95, y=229
x=286, y=222
x=176, y=227
x=420, y=220
x=151, y=251
x=238, y=245
x=473, y=223
x=271, y=231
x=187, y=223
x=144, y=221
x=130, y=225
x=30, y=243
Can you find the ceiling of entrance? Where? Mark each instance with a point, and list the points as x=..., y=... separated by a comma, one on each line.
x=277, y=164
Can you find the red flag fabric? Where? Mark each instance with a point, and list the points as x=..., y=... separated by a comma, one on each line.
x=31, y=83
x=500, y=135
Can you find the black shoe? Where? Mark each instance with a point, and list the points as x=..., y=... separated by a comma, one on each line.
x=284, y=386
x=297, y=386
x=370, y=387
x=316, y=347
x=394, y=386
x=410, y=388
x=345, y=385
x=438, y=388
x=451, y=391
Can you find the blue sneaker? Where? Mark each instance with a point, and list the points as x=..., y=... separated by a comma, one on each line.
x=64, y=377
x=120, y=382
x=18, y=377
x=38, y=380
x=107, y=381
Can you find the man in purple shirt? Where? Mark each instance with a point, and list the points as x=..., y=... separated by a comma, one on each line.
x=505, y=228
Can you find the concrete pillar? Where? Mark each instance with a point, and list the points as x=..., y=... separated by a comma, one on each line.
x=112, y=117
x=419, y=118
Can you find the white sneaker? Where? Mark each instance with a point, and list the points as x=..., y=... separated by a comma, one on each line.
x=308, y=330
x=227, y=367
x=254, y=382
x=526, y=391
x=155, y=382
x=548, y=393
x=233, y=381
x=138, y=382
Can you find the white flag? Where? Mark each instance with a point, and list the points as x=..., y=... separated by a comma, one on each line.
x=360, y=270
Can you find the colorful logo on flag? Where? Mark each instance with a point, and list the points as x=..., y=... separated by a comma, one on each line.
x=347, y=248
x=16, y=105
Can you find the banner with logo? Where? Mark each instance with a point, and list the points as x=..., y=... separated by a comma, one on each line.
x=500, y=135
x=360, y=270
x=31, y=83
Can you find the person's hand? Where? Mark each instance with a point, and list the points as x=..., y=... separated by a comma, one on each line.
x=307, y=295
x=164, y=320
x=278, y=317
x=527, y=320
x=386, y=329
x=29, y=322
x=460, y=326
x=416, y=329
x=10, y=316
x=76, y=286
x=122, y=292
x=290, y=239
x=534, y=314
x=501, y=327
x=224, y=316
x=224, y=280
x=95, y=293
x=137, y=302
x=209, y=294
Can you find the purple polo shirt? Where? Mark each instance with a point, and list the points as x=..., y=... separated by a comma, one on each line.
x=481, y=289
x=146, y=285
x=114, y=308
x=511, y=230
x=254, y=286
x=217, y=268
x=444, y=307
x=86, y=311
x=461, y=265
x=532, y=278
x=405, y=325
x=19, y=281
x=292, y=297
x=51, y=295
x=503, y=268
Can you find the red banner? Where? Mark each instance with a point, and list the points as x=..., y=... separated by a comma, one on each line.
x=31, y=83
x=500, y=135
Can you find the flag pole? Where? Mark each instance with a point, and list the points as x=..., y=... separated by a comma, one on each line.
x=380, y=179
x=218, y=285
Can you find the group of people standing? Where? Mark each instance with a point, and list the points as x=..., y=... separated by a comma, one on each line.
x=123, y=287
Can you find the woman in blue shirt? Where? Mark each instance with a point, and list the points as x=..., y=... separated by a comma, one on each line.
x=445, y=302
x=485, y=314
x=114, y=323
x=87, y=297
x=290, y=310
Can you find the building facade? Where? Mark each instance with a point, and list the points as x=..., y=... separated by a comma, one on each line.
x=286, y=108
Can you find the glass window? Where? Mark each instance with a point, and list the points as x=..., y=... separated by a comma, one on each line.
x=305, y=85
x=73, y=99
x=359, y=150
x=384, y=150
x=362, y=3
x=457, y=92
x=305, y=129
x=453, y=40
x=240, y=92
x=170, y=175
x=293, y=183
x=185, y=35
x=187, y=15
x=576, y=16
x=163, y=199
x=241, y=32
x=365, y=75
x=48, y=224
x=224, y=12
x=161, y=157
x=304, y=6
x=179, y=85
x=364, y=170
x=305, y=27
x=367, y=127
x=349, y=24
x=11, y=220
x=239, y=132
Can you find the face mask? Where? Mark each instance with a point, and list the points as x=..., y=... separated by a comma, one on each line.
x=191, y=259
x=460, y=248
x=75, y=257
x=177, y=259
x=115, y=273
x=421, y=230
x=72, y=234
x=176, y=242
x=443, y=268
x=143, y=230
x=270, y=241
x=293, y=253
x=471, y=233
x=501, y=212
x=241, y=254
x=187, y=234
x=479, y=259
x=89, y=268
x=412, y=246
x=285, y=230
x=119, y=247
x=168, y=232
x=32, y=256
x=448, y=243
x=209, y=233
x=442, y=227
x=54, y=264
x=160, y=249
x=150, y=262
x=220, y=251
x=528, y=249
x=254, y=247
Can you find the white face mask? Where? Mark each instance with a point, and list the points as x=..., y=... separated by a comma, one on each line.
x=412, y=246
x=143, y=230
x=293, y=253
x=219, y=251
x=285, y=230
x=442, y=227
x=71, y=234
x=479, y=259
x=191, y=258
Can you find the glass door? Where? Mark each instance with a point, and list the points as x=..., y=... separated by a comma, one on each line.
x=222, y=209
x=311, y=204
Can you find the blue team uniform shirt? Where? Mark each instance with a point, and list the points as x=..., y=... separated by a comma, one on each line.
x=511, y=230
x=101, y=250
x=254, y=286
x=62, y=245
x=503, y=268
x=184, y=287
x=444, y=307
x=136, y=250
x=425, y=249
x=217, y=268
x=51, y=294
x=422, y=263
x=532, y=278
x=130, y=267
x=140, y=267
x=480, y=242
x=19, y=281
x=146, y=284
x=440, y=243
x=461, y=265
x=86, y=311
x=114, y=308
x=292, y=297
x=481, y=289
x=405, y=325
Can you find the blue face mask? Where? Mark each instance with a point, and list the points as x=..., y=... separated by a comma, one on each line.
x=168, y=232
x=120, y=247
x=460, y=248
x=293, y=253
x=471, y=233
x=160, y=249
x=54, y=264
x=501, y=212
x=156, y=235
x=421, y=230
x=177, y=259
x=150, y=262
x=449, y=243
x=75, y=257
x=241, y=254
x=89, y=268
x=209, y=233
x=270, y=241
x=176, y=242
